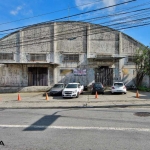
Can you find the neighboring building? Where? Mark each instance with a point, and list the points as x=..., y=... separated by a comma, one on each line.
x=36, y=57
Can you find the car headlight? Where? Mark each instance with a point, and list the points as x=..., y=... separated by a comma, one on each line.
x=74, y=91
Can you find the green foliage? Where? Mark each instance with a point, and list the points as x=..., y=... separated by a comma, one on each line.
x=143, y=88
x=142, y=62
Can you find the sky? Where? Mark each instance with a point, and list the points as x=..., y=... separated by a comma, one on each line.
x=19, y=13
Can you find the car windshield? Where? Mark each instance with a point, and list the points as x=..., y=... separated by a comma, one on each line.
x=71, y=86
x=58, y=86
x=118, y=84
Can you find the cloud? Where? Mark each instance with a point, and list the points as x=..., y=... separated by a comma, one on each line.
x=109, y=2
x=87, y=4
x=16, y=11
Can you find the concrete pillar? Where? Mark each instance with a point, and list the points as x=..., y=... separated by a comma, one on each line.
x=48, y=75
x=120, y=52
x=21, y=46
x=55, y=53
x=55, y=43
x=88, y=41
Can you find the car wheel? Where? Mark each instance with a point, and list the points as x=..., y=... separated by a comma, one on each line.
x=77, y=95
x=112, y=93
x=103, y=93
x=124, y=92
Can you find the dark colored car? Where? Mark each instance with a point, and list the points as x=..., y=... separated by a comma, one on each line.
x=57, y=89
x=98, y=86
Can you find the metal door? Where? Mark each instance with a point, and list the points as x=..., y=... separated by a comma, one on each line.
x=37, y=76
x=104, y=75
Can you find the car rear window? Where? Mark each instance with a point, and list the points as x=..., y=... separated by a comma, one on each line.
x=97, y=85
x=118, y=84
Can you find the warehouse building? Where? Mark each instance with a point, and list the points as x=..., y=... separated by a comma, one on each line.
x=38, y=56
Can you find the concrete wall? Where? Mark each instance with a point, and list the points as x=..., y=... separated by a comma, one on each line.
x=61, y=38
x=103, y=40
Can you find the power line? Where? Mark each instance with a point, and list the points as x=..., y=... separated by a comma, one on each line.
x=59, y=35
x=82, y=30
x=62, y=38
x=105, y=16
x=71, y=15
x=49, y=13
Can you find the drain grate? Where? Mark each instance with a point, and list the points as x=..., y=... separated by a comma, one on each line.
x=142, y=114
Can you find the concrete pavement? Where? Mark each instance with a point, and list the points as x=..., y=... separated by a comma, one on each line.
x=86, y=100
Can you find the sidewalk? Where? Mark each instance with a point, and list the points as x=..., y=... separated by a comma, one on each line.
x=86, y=100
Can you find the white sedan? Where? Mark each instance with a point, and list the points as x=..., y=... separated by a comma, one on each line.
x=118, y=87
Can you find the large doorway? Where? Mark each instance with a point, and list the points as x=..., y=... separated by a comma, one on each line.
x=104, y=75
x=37, y=76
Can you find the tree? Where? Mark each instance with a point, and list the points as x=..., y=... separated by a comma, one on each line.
x=142, y=62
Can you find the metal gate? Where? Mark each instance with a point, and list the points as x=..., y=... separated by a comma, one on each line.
x=37, y=76
x=104, y=75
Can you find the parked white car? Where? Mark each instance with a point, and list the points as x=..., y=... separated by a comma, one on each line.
x=118, y=87
x=72, y=90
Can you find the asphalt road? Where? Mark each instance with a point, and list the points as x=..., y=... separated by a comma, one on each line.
x=75, y=129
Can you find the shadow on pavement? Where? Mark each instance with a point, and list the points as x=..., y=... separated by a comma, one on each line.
x=42, y=123
x=142, y=97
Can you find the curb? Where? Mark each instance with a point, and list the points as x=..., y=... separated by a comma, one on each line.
x=71, y=107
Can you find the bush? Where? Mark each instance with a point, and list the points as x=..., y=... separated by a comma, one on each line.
x=144, y=88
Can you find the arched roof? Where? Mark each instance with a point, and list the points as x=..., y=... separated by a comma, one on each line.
x=66, y=22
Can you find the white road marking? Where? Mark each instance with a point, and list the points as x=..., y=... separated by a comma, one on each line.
x=78, y=128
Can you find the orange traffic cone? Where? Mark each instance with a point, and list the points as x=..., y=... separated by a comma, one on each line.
x=96, y=95
x=19, y=98
x=137, y=94
x=47, y=97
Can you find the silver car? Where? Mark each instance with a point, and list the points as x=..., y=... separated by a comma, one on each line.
x=118, y=87
x=57, y=89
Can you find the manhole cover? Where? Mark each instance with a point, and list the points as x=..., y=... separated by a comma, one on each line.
x=142, y=114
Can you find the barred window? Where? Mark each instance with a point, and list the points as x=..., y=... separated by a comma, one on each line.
x=71, y=58
x=37, y=57
x=6, y=56
x=131, y=59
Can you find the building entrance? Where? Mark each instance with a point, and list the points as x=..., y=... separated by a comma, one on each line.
x=37, y=76
x=104, y=75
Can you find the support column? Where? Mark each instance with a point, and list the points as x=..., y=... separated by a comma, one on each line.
x=120, y=52
x=55, y=54
x=88, y=41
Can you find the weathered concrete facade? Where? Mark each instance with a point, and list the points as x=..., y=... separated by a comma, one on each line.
x=38, y=56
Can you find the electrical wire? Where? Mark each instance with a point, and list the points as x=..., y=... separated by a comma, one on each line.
x=103, y=16
x=71, y=15
x=121, y=28
x=112, y=20
x=61, y=38
x=50, y=12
